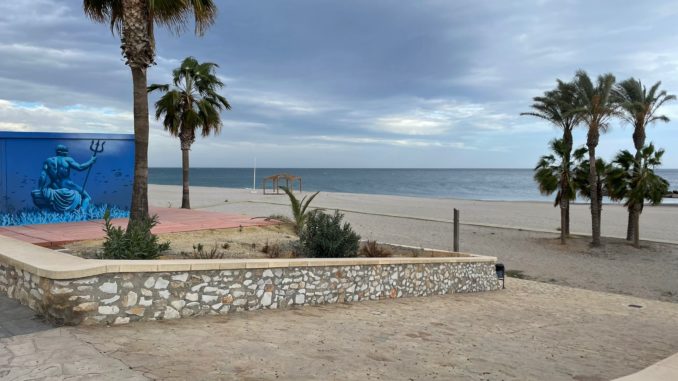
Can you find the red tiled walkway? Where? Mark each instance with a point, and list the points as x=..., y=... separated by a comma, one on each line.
x=170, y=221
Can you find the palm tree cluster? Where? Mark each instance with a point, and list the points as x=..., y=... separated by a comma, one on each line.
x=630, y=177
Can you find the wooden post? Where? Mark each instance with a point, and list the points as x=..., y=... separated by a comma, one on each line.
x=456, y=230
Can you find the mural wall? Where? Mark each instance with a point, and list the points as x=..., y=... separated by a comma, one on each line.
x=54, y=177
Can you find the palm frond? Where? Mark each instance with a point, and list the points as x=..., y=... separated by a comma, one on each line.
x=155, y=86
x=299, y=208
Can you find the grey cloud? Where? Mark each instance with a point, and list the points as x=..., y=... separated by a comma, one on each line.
x=415, y=82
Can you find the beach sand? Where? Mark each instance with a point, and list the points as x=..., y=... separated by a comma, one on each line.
x=533, y=252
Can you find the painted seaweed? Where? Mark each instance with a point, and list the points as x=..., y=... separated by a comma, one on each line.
x=36, y=216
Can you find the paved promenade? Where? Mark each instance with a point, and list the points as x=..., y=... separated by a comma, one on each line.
x=530, y=331
x=16, y=319
x=171, y=221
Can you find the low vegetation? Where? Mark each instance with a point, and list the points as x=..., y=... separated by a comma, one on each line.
x=272, y=250
x=324, y=236
x=199, y=252
x=371, y=249
x=279, y=217
x=136, y=242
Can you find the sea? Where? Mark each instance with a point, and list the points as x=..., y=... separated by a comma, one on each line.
x=472, y=184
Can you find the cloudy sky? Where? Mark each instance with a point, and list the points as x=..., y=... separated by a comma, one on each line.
x=352, y=83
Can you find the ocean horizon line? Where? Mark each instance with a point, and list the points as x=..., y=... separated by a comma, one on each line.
x=510, y=184
x=377, y=168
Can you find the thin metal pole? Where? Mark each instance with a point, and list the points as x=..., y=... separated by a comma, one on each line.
x=254, y=177
x=456, y=230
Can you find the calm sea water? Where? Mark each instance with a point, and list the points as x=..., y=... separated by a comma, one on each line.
x=476, y=184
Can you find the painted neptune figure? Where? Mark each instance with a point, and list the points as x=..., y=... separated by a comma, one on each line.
x=56, y=191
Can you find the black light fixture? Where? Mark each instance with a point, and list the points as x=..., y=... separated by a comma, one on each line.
x=499, y=267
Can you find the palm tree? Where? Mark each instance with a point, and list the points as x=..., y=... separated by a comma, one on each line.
x=299, y=209
x=639, y=107
x=582, y=181
x=633, y=178
x=553, y=174
x=557, y=107
x=191, y=104
x=596, y=107
x=133, y=21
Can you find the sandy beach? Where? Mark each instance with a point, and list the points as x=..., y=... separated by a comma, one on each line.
x=522, y=235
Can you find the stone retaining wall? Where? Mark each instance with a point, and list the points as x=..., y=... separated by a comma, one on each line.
x=118, y=298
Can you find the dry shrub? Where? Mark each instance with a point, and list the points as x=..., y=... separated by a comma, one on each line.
x=199, y=252
x=372, y=250
x=273, y=250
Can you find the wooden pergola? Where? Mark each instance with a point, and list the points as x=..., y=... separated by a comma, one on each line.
x=275, y=182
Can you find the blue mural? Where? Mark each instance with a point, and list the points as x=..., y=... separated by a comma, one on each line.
x=49, y=177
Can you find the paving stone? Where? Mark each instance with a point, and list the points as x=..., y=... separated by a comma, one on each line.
x=16, y=319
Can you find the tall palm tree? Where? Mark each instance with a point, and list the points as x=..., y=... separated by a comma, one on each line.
x=549, y=174
x=582, y=180
x=639, y=107
x=596, y=107
x=134, y=21
x=558, y=108
x=191, y=104
x=633, y=178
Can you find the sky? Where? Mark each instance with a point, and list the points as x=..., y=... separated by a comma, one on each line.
x=352, y=83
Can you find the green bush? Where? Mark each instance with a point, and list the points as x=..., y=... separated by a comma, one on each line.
x=324, y=236
x=136, y=242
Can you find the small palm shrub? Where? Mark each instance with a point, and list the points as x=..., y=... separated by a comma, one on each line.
x=324, y=236
x=136, y=242
x=299, y=212
x=372, y=250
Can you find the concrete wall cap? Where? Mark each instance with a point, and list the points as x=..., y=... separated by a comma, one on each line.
x=56, y=265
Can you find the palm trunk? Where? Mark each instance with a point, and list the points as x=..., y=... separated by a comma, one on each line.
x=139, y=207
x=563, y=222
x=600, y=205
x=565, y=187
x=636, y=225
x=567, y=224
x=634, y=213
x=592, y=142
x=629, y=227
x=185, y=166
x=138, y=51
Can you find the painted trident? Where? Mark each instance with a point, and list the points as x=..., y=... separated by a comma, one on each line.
x=96, y=148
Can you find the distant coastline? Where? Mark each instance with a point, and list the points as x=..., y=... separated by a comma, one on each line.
x=463, y=183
